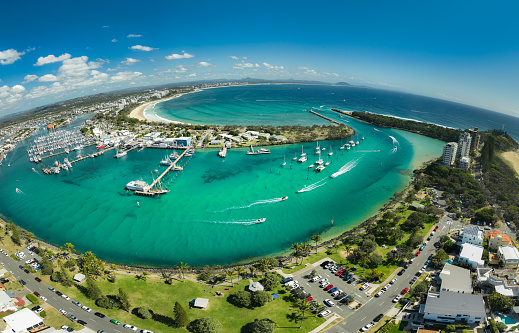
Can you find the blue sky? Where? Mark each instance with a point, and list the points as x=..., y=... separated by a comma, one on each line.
x=456, y=50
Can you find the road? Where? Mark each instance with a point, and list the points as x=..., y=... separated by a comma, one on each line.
x=93, y=322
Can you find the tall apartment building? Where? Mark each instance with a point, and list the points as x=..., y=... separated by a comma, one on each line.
x=474, y=143
x=449, y=153
x=464, y=144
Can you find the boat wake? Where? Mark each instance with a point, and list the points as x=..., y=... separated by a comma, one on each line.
x=313, y=186
x=239, y=222
x=395, y=141
x=33, y=169
x=258, y=202
x=345, y=168
x=19, y=191
x=395, y=148
x=368, y=151
x=376, y=129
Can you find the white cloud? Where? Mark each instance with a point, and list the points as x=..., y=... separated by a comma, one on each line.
x=18, y=89
x=178, y=69
x=125, y=76
x=29, y=78
x=204, y=64
x=269, y=66
x=175, y=56
x=114, y=40
x=106, y=26
x=9, y=56
x=234, y=57
x=48, y=78
x=133, y=36
x=51, y=59
x=191, y=75
x=130, y=61
x=142, y=48
x=11, y=95
x=244, y=58
x=244, y=65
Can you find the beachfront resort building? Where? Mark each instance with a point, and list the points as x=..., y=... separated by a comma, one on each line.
x=451, y=307
x=472, y=235
x=464, y=163
x=23, y=321
x=449, y=153
x=496, y=239
x=464, y=145
x=474, y=142
x=471, y=254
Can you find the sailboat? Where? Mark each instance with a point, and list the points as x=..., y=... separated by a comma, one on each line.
x=331, y=152
x=284, y=162
x=302, y=157
x=317, y=149
x=166, y=161
x=295, y=157
x=320, y=160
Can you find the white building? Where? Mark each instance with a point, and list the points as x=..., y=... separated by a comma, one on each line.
x=464, y=163
x=450, y=307
x=464, y=145
x=23, y=321
x=449, y=153
x=471, y=254
x=6, y=301
x=456, y=279
x=472, y=235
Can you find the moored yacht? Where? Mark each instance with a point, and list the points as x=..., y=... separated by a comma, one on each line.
x=137, y=185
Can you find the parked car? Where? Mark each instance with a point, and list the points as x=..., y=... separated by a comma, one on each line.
x=37, y=279
x=329, y=302
x=287, y=279
x=364, y=286
x=324, y=263
x=380, y=316
x=325, y=313
x=367, y=327
x=386, y=287
x=418, y=253
x=116, y=322
x=100, y=315
x=396, y=299
x=341, y=295
x=325, y=284
x=401, y=272
x=392, y=281
x=328, y=287
x=316, y=278
x=413, y=280
x=82, y=322
x=351, y=280
x=379, y=293
x=334, y=289
x=403, y=292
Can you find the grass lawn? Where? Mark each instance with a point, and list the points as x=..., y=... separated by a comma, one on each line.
x=56, y=319
x=398, y=328
x=160, y=298
x=312, y=258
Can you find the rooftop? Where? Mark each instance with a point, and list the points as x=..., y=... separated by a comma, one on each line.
x=471, y=231
x=456, y=279
x=22, y=320
x=471, y=252
x=494, y=233
x=450, y=303
x=509, y=252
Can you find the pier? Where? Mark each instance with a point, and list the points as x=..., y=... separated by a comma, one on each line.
x=63, y=152
x=151, y=191
x=222, y=153
x=324, y=117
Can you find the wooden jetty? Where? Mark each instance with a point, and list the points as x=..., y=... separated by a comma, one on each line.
x=62, y=152
x=324, y=117
x=151, y=191
x=223, y=152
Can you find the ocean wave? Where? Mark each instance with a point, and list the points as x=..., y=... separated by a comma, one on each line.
x=19, y=191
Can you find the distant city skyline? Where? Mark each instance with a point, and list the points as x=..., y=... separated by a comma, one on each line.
x=462, y=52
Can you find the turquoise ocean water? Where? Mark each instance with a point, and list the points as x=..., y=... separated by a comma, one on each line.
x=208, y=217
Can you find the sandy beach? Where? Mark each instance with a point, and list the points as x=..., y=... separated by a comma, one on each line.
x=513, y=158
x=138, y=112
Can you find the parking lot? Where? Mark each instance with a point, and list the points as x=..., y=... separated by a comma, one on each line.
x=320, y=294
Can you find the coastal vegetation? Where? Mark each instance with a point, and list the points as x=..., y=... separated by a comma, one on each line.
x=431, y=130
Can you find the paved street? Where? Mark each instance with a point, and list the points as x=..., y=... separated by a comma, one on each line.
x=93, y=322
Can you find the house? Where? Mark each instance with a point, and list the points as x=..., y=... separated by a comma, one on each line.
x=151, y=136
x=451, y=307
x=23, y=321
x=255, y=286
x=496, y=239
x=253, y=133
x=264, y=135
x=183, y=141
x=215, y=142
x=509, y=256
x=201, y=303
x=6, y=301
x=472, y=235
x=79, y=277
x=455, y=279
x=278, y=138
x=471, y=254
x=247, y=136
x=415, y=205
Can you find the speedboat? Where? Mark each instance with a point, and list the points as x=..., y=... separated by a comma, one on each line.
x=284, y=198
x=260, y=220
x=310, y=166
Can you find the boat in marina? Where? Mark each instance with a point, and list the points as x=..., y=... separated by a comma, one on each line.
x=101, y=146
x=258, y=152
x=284, y=162
x=189, y=152
x=173, y=156
x=177, y=168
x=302, y=159
x=320, y=168
x=120, y=154
x=137, y=185
x=295, y=157
x=310, y=166
x=166, y=161
x=317, y=149
x=320, y=160
x=331, y=152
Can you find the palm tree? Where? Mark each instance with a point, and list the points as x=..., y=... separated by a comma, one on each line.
x=316, y=307
x=113, y=268
x=239, y=271
x=69, y=247
x=182, y=267
x=264, y=266
x=297, y=251
x=230, y=274
x=336, y=245
x=303, y=306
x=316, y=239
x=145, y=275
x=252, y=269
x=305, y=249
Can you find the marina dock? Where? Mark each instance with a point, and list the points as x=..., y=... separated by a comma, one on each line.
x=222, y=153
x=324, y=117
x=62, y=152
x=151, y=191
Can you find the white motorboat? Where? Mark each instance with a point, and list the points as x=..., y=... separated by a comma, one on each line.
x=137, y=185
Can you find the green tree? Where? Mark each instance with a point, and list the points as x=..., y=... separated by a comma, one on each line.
x=271, y=280
x=239, y=271
x=230, y=274
x=182, y=267
x=66, y=279
x=260, y=298
x=205, y=325
x=92, y=290
x=499, y=302
x=46, y=266
x=181, y=317
x=501, y=326
x=29, y=237
x=123, y=300
x=240, y=298
x=15, y=234
x=316, y=238
x=144, y=312
x=69, y=247
x=262, y=326
x=91, y=265
x=303, y=307
x=437, y=261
